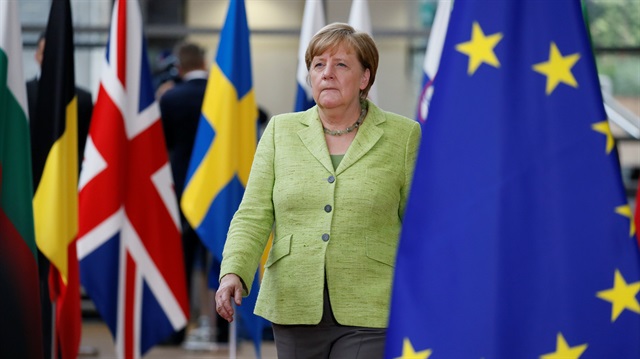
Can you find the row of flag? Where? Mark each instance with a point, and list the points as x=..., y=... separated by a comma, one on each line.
x=121, y=215
x=128, y=247
x=544, y=263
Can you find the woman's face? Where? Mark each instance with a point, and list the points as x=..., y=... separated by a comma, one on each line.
x=337, y=78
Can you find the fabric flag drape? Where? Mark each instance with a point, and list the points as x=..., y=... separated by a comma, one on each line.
x=432, y=57
x=20, y=326
x=360, y=19
x=517, y=240
x=129, y=246
x=313, y=20
x=223, y=151
x=54, y=144
x=637, y=217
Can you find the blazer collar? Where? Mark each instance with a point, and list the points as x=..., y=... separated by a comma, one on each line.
x=368, y=135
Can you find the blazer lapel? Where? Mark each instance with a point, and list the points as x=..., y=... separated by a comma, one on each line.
x=313, y=138
x=368, y=135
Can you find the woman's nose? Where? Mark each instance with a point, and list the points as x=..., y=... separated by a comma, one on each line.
x=327, y=73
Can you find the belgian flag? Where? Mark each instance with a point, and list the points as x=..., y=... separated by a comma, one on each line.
x=54, y=144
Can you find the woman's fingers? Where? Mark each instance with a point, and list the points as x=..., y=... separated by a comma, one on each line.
x=230, y=286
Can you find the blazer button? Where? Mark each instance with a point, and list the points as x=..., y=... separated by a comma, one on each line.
x=331, y=179
x=327, y=208
x=325, y=237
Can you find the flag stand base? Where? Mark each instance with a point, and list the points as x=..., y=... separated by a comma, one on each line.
x=88, y=351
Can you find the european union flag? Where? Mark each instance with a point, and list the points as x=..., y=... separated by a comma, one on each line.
x=223, y=151
x=517, y=240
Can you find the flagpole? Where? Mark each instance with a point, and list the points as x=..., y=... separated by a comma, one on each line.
x=233, y=340
x=53, y=346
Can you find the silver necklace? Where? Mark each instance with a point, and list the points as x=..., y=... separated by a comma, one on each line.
x=349, y=129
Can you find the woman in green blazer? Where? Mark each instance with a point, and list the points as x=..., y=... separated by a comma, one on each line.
x=332, y=183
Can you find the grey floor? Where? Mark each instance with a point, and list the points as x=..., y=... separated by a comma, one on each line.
x=97, y=343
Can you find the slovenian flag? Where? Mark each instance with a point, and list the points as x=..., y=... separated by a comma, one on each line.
x=432, y=57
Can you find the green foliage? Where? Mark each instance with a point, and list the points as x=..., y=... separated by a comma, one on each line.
x=624, y=72
x=614, y=23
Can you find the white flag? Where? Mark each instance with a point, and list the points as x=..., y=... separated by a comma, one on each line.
x=312, y=21
x=360, y=19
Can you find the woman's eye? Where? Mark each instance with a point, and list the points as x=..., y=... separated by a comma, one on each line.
x=318, y=64
x=342, y=64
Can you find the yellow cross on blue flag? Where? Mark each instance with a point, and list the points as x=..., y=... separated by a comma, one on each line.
x=223, y=152
x=517, y=241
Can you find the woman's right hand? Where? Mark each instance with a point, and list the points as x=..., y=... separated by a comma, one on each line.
x=230, y=286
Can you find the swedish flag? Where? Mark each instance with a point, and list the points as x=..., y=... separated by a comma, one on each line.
x=518, y=241
x=224, y=147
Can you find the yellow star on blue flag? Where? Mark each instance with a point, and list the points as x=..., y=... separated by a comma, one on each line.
x=622, y=296
x=480, y=48
x=604, y=128
x=558, y=69
x=625, y=211
x=408, y=352
x=564, y=351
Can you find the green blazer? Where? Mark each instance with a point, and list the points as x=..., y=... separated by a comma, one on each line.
x=343, y=222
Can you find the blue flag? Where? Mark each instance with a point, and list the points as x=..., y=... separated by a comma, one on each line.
x=223, y=152
x=517, y=240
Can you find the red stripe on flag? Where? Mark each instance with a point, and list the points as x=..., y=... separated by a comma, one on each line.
x=21, y=296
x=66, y=297
x=69, y=307
x=107, y=187
x=122, y=42
x=129, y=308
x=147, y=157
x=637, y=218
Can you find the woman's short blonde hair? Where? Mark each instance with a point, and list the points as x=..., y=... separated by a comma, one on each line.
x=336, y=34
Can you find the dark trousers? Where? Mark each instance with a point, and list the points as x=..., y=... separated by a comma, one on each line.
x=328, y=339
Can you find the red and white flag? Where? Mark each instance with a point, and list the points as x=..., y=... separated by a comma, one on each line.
x=129, y=246
x=637, y=217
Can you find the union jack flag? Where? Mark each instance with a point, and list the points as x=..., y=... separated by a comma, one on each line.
x=131, y=262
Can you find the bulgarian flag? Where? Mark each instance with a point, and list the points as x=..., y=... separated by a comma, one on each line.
x=20, y=326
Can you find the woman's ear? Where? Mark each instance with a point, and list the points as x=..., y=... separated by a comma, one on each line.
x=364, y=81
